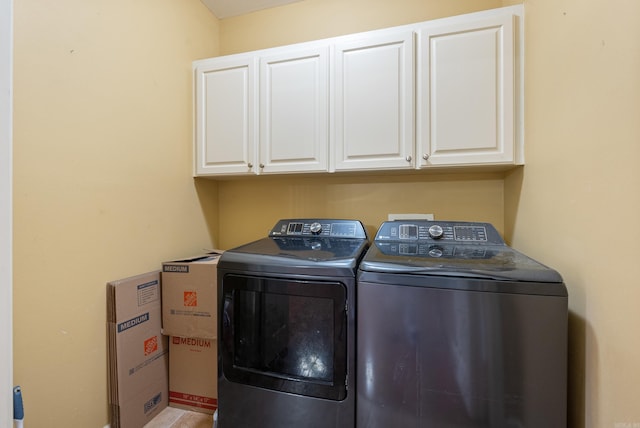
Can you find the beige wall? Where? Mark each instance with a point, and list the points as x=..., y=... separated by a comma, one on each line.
x=249, y=208
x=576, y=203
x=102, y=180
x=316, y=19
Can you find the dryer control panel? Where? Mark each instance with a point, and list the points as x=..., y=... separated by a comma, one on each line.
x=451, y=232
x=326, y=228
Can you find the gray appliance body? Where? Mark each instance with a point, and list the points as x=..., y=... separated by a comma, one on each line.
x=287, y=326
x=456, y=329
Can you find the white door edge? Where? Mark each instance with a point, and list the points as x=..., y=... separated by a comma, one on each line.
x=6, y=214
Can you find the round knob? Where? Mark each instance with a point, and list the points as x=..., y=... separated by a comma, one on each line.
x=261, y=165
x=435, y=231
x=316, y=228
x=436, y=252
x=250, y=165
x=408, y=158
x=425, y=156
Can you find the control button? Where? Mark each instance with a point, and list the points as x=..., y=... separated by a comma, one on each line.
x=436, y=252
x=316, y=228
x=436, y=231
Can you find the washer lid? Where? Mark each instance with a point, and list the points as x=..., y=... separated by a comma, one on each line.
x=493, y=262
x=309, y=256
x=451, y=248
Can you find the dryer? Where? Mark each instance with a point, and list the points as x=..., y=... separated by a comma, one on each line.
x=287, y=328
x=457, y=329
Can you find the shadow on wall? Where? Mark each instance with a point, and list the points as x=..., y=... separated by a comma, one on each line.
x=577, y=365
x=512, y=190
x=207, y=191
x=578, y=329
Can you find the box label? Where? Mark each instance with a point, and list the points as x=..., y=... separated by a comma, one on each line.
x=153, y=403
x=193, y=400
x=148, y=292
x=190, y=313
x=134, y=370
x=125, y=325
x=176, y=268
x=191, y=341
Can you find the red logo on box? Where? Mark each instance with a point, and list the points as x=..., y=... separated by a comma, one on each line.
x=151, y=345
x=190, y=298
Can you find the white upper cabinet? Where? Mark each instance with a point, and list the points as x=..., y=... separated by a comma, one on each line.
x=261, y=113
x=441, y=93
x=373, y=114
x=468, y=110
x=225, y=123
x=294, y=110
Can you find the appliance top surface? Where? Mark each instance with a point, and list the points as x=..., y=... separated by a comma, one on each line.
x=299, y=242
x=446, y=248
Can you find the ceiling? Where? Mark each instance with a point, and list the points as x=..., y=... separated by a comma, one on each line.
x=228, y=8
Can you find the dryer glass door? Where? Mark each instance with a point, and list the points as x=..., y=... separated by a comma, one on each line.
x=286, y=335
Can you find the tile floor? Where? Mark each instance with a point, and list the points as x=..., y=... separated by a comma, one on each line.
x=177, y=418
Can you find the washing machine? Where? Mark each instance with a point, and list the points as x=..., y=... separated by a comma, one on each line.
x=287, y=326
x=456, y=329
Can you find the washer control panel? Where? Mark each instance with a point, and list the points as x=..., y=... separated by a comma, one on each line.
x=443, y=231
x=326, y=228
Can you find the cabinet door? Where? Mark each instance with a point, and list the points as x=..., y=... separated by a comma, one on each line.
x=225, y=115
x=294, y=110
x=373, y=106
x=465, y=111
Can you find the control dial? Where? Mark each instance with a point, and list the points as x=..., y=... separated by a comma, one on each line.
x=436, y=231
x=316, y=228
x=436, y=252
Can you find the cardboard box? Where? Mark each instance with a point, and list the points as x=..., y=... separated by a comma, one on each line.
x=138, y=353
x=190, y=297
x=193, y=374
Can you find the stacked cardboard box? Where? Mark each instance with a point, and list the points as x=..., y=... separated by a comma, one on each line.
x=189, y=316
x=193, y=374
x=138, y=352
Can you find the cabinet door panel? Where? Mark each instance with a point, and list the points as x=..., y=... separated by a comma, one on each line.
x=225, y=117
x=294, y=111
x=373, y=106
x=466, y=92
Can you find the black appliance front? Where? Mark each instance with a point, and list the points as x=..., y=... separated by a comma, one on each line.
x=474, y=333
x=287, y=330
x=286, y=335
